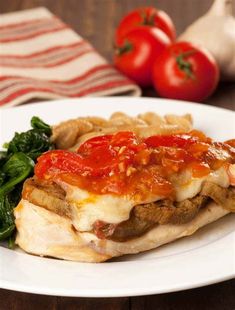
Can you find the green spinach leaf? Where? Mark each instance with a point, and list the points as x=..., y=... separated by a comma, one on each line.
x=16, y=164
x=16, y=169
x=32, y=142
x=3, y=157
x=7, y=224
x=37, y=123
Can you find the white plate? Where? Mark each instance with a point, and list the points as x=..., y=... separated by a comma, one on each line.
x=204, y=258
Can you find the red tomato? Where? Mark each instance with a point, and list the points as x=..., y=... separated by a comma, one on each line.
x=231, y=142
x=100, y=162
x=180, y=141
x=137, y=51
x=122, y=138
x=96, y=157
x=87, y=147
x=52, y=162
x=185, y=71
x=148, y=16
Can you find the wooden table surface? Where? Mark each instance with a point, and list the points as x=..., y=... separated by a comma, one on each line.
x=95, y=20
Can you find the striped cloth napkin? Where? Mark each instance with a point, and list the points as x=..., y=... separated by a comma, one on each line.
x=42, y=57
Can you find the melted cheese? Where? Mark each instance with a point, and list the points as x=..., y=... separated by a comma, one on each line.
x=219, y=177
x=87, y=207
x=189, y=190
x=193, y=186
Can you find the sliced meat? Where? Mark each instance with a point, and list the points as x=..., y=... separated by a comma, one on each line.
x=158, y=212
x=46, y=194
x=222, y=196
x=167, y=211
x=144, y=217
x=129, y=229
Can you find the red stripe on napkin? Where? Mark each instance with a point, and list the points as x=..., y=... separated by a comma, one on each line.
x=48, y=58
x=31, y=29
x=29, y=23
x=41, y=57
x=84, y=92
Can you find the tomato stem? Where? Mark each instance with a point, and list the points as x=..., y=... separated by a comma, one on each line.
x=185, y=65
x=148, y=19
x=125, y=48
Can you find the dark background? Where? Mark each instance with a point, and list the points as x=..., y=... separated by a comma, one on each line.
x=96, y=20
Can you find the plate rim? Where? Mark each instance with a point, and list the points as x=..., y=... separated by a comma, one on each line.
x=132, y=98
x=119, y=292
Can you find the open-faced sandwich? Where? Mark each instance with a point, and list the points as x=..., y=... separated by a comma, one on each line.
x=122, y=186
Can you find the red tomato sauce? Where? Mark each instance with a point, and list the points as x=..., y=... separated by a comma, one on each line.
x=123, y=163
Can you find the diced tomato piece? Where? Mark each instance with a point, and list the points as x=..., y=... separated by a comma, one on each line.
x=180, y=141
x=89, y=145
x=103, y=229
x=199, y=136
x=200, y=170
x=230, y=142
x=58, y=161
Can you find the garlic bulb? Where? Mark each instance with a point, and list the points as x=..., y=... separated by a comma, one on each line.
x=216, y=32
